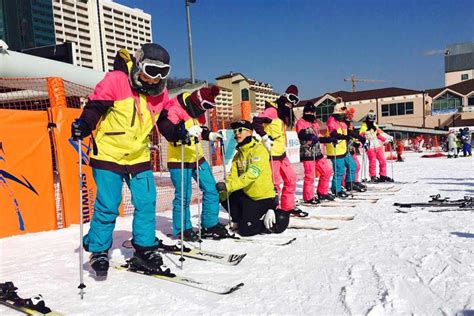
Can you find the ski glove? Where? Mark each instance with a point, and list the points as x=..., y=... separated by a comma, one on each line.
x=195, y=131
x=79, y=129
x=213, y=136
x=221, y=187
x=267, y=142
x=269, y=219
x=314, y=139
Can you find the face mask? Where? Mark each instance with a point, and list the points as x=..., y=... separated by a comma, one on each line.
x=309, y=117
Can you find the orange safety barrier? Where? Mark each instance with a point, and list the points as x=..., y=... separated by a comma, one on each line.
x=27, y=202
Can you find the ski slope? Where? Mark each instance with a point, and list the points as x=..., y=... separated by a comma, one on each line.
x=380, y=263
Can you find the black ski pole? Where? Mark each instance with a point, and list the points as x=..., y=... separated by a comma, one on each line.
x=81, y=225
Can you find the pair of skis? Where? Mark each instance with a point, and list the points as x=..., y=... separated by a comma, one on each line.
x=439, y=204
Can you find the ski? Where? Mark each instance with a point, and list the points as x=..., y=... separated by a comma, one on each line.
x=436, y=204
x=454, y=209
x=334, y=217
x=195, y=253
x=311, y=226
x=361, y=199
x=390, y=188
x=32, y=306
x=328, y=204
x=268, y=241
x=205, y=286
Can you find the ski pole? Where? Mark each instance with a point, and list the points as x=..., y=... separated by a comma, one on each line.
x=81, y=225
x=335, y=169
x=225, y=177
x=181, y=259
x=196, y=140
x=391, y=158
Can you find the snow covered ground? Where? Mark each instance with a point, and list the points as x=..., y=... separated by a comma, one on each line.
x=381, y=263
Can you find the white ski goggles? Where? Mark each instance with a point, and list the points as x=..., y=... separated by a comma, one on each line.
x=204, y=104
x=292, y=98
x=155, y=71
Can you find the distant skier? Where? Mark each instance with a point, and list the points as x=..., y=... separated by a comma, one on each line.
x=313, y=160
x=466, y=142
x=123, y=109
x=182, y=124
x=399, y=149
x=452, y=146
x=376, y=138
x=250, y=187
x=271, y=125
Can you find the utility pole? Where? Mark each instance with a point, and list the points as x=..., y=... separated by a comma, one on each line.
x=353, y=79
x=190, y=42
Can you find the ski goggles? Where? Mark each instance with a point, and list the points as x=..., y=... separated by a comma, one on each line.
x=155, y=71
x=240, y=130
x=371, y=117
x=203, y=103
x=292, y=98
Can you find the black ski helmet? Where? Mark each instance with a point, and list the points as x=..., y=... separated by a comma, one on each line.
x=309, y=107
x=153, y=54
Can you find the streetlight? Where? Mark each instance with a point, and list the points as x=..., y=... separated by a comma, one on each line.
x=190, y=43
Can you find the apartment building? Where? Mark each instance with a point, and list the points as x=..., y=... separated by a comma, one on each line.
x=99, y=29
x=458, y=63
x=238, y=88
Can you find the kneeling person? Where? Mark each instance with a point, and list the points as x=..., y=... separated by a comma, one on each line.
x=250, y=188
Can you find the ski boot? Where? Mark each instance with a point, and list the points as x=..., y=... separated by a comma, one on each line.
x=350, y=186
x=216, y=232
x=296, y=212
x=148, y=260
x=359, y=187
x=326, y=197
x=314, y=201
x=374, y=179
x=341, y=194
x=385, y=179
x=190, y=235
x=99, y=262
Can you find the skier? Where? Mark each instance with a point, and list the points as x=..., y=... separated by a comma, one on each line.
x=250, y=187
x=182, y=124
x=271, y=125
x=452, y=146
x=399, y=149
x=123, y=109
x=466, y=142
x=337, y=152
x=354, y=141
x=310, y=154
x=376, y=139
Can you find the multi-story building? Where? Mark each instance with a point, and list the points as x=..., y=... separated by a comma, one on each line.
x=458, y=63
x=99, y=32
x=238, y=88
x=26, y=23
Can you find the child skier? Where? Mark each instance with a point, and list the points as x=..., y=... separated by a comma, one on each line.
x=250, y=187
x=271, y=125
x=376, y=139
x=452, y=146
x=310, y=154
x=123, y=109
x=180, y=123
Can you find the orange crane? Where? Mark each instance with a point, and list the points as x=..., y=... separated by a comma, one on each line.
x=353, y=79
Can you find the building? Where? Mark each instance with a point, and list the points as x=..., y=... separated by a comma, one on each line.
x=403, y=110
x=26, y=23
x=236, y=88
x=458, y=63
x=99, y=32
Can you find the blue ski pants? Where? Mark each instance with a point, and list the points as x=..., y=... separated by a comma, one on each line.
x=466, y=149
x=109, y=196
x=339, y=166
x=210, y=199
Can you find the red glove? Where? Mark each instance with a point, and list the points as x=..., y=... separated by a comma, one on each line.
x=204, y=98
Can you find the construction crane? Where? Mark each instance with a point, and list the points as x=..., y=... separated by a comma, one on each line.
x=353, y=79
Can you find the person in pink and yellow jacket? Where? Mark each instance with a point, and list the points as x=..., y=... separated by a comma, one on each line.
x=376, y=138
x=310, y=154
x=271, y=125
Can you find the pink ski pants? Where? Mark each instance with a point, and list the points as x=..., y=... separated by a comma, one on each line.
x=324, y=168
x=375, y=154
x=281, y=169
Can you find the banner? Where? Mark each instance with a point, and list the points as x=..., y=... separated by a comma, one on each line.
x=27, y=201
x=67, y=153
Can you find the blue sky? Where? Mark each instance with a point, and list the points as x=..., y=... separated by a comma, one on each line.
x=314, y=44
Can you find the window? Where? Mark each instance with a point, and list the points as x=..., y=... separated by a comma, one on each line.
x=470, y=101
x=447, y=103
x=464, y=76
x=324, y=110
x=394, y=109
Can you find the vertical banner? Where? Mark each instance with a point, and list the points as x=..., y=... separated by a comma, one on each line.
x=67, y=161
x=27, y=201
